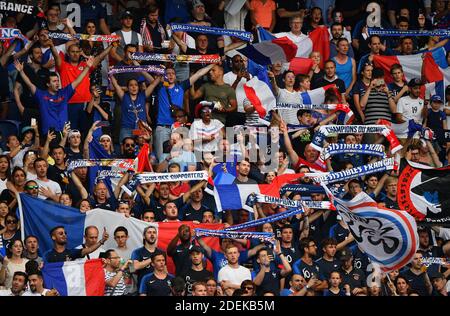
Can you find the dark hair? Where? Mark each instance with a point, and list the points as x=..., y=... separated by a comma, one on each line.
x=330, y=61
x=121, y=229
x=402, y=39
x=301, y=112
x=174, y=164
x=108, y=253
x=238, y=292
x=342, y=39
x=128, y=46
x=395, y=67
x=58, y=147
x=152, y=8
x=55, y=228
x=402, y=19
x=30, y=236
x=39, y=160
x=32, y=267
x=286, y=72
x=304, y=243
x=21, y=273
x=286, y=227
x=127, y=137
x=329, y=241
x=336, y=24
x=81, y=201
x=261, y=250
x=372, y=37
x=11, y=245
x=377, y=73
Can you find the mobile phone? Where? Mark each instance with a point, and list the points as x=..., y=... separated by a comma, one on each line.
x=131, y=267
x=380, y=82
x=33, y=121
x=103, y=124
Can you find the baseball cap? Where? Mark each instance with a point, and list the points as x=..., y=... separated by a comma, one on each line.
x=197, y=3
x=414, y=82
x=437, y=275
x=345, y=254
x=26, y=129
x=195, y=249
x=126, y=14
x=436, y=98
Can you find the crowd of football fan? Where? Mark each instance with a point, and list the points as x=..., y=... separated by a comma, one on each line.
x=56, y=102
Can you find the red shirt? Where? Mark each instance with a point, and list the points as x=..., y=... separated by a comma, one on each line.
x=69, y=73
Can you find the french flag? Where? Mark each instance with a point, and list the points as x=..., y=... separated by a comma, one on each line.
x=75, y=278
x=234, y=196
x=39, y=216
x=258, y=93
x=431, y=66
x=316, y=96
x=317, y=40
x=269, y=52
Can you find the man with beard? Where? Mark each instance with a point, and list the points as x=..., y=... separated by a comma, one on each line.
x=306, y=266
x=60, y=253
x=243, y=169
x=197, y=271
x=298, y=286
x=27, y=105
x=180, y=253
x=19, y=284
x=142, y=257
x=337, y=32
x=48, y=189
x=36, y=285
x=352, y=276
x=128, y=148
x=417, y=278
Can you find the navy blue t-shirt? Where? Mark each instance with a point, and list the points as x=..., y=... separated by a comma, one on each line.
x=152, y=286
x=306, y=270
x=67, y=255
x=142, y=254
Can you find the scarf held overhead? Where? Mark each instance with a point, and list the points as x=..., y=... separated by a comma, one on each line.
x=245, y=36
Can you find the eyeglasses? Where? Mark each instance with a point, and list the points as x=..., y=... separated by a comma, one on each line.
x=11, y=221
x=249, y=287
x=31, y=187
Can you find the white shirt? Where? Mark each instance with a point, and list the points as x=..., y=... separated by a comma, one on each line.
x=123, y=253
x=235, y=276
x=50, y=184
x=29, y=293
x=3, y=184
x=7, y=293
x=411, y=109
x=289, y=115
x=127, y=37
x=200, y=130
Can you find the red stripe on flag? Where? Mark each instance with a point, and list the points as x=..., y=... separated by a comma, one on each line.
x=288, y=46
x=256, y=102
x=94, y=276
x=143, y=161
x=430, y=70
x=385, y=63
x=167, y=231
x=300, y=65
x=321, y=43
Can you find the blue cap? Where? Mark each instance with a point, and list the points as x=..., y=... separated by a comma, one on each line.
x=436, y=98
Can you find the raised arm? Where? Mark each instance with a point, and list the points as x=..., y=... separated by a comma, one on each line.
x=287, y=143
x=200, y=74
x=8, y=53
x=30, y=85
x=80, y=187
x=152, y=86
x=55, y=54
x=117, y=87
x=182, y=45
x=88, y=250
x=98, y=59
x=205, y=247
x=194, y=188
x=83, y=74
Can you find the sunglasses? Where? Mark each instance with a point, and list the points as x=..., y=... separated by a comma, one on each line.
x=11, y=221
x=249, y=287
x=31, y=187
x=129, y=145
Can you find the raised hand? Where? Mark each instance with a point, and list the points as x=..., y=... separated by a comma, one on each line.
x=90, y=61
x=18, y=65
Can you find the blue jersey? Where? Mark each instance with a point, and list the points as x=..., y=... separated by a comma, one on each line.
x=306, y=270
x=176, y=96
x=132, y=108
x=152, y=286
x=53, y=107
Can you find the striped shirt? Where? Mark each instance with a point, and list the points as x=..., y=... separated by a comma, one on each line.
x=120, y=287
x=377, y=107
